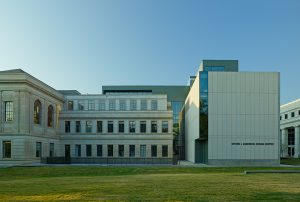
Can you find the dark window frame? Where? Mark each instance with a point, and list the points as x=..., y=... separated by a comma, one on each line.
x=121, y=150
x=88, y=150
x=153, y=151
x=165, y=129
x=51, y=149
x=121, y=127
x=7, y=149
x=293, y=114
x=70, y=105
x=37, y=112
x=143, y=126
x=110, y=150
x=99, y=150
x=131, y=150
x=164, y=151
x=78, y=126
x=99, y=127
x=67, y=126
x=132, y=127
x=88, y=126
x=38, y=150
x=153, y=126
x=110, y=126
x=50, y=116
x=8, y=111
x=78, y=150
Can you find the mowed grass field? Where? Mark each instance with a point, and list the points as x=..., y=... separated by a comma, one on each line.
x=153, y=183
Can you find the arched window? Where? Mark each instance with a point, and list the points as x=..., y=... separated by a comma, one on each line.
x=50, y=116
x=37, y=112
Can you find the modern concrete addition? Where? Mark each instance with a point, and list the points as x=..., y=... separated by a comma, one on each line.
x=238, y=117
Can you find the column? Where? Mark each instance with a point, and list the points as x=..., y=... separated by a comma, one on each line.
x=297, y=142
x=284, y=142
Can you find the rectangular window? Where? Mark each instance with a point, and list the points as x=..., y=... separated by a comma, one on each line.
x=88, y=150
x=78, y=150
x=88, y=126
x=99, y=126
x=6, y=149
x=91, y=105
x=153, y=150
x=101, y=105
x=121, y=150
x=67, y=126
x=142, y=151
x=293, y=114
x=165, y=126
x=132, y=105
x=78, y=127
x=80, y=106
x=131, y=150
x=122, y=105
x=9, y=111
x=99, y=150
x=285, y=116
x=280, y=118
x=121, y=126
x=143, y=126
x=112, y=105
x=143, y=105
x=165, y=151
x=153, y=127
x=110, y=126
x=51, y=149
x=154, y=105
x=38, y=150
x=132, y=126
x=110, y=150
x=299, y=112
x=70, y=105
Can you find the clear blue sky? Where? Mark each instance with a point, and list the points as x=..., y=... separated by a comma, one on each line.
x=86, y=44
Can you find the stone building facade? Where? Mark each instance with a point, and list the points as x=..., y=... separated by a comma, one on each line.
x=290, y=129
x=38, y=121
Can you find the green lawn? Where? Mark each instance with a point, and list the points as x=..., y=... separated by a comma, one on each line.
x=93, y=183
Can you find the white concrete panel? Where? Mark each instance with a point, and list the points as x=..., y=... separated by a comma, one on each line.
x=246, y=116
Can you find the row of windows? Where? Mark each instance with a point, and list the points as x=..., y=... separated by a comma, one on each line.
x=131, y=150
x=110, y=150
x=292, y=114
x=38, y=151
x=121, y=127
x=6, y=145
x=112, y=105
x=37, y=112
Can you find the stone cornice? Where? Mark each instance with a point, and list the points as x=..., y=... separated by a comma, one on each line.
x=25, y=78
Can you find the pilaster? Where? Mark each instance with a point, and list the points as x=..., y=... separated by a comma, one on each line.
x=284, y=142
x=297, y=142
